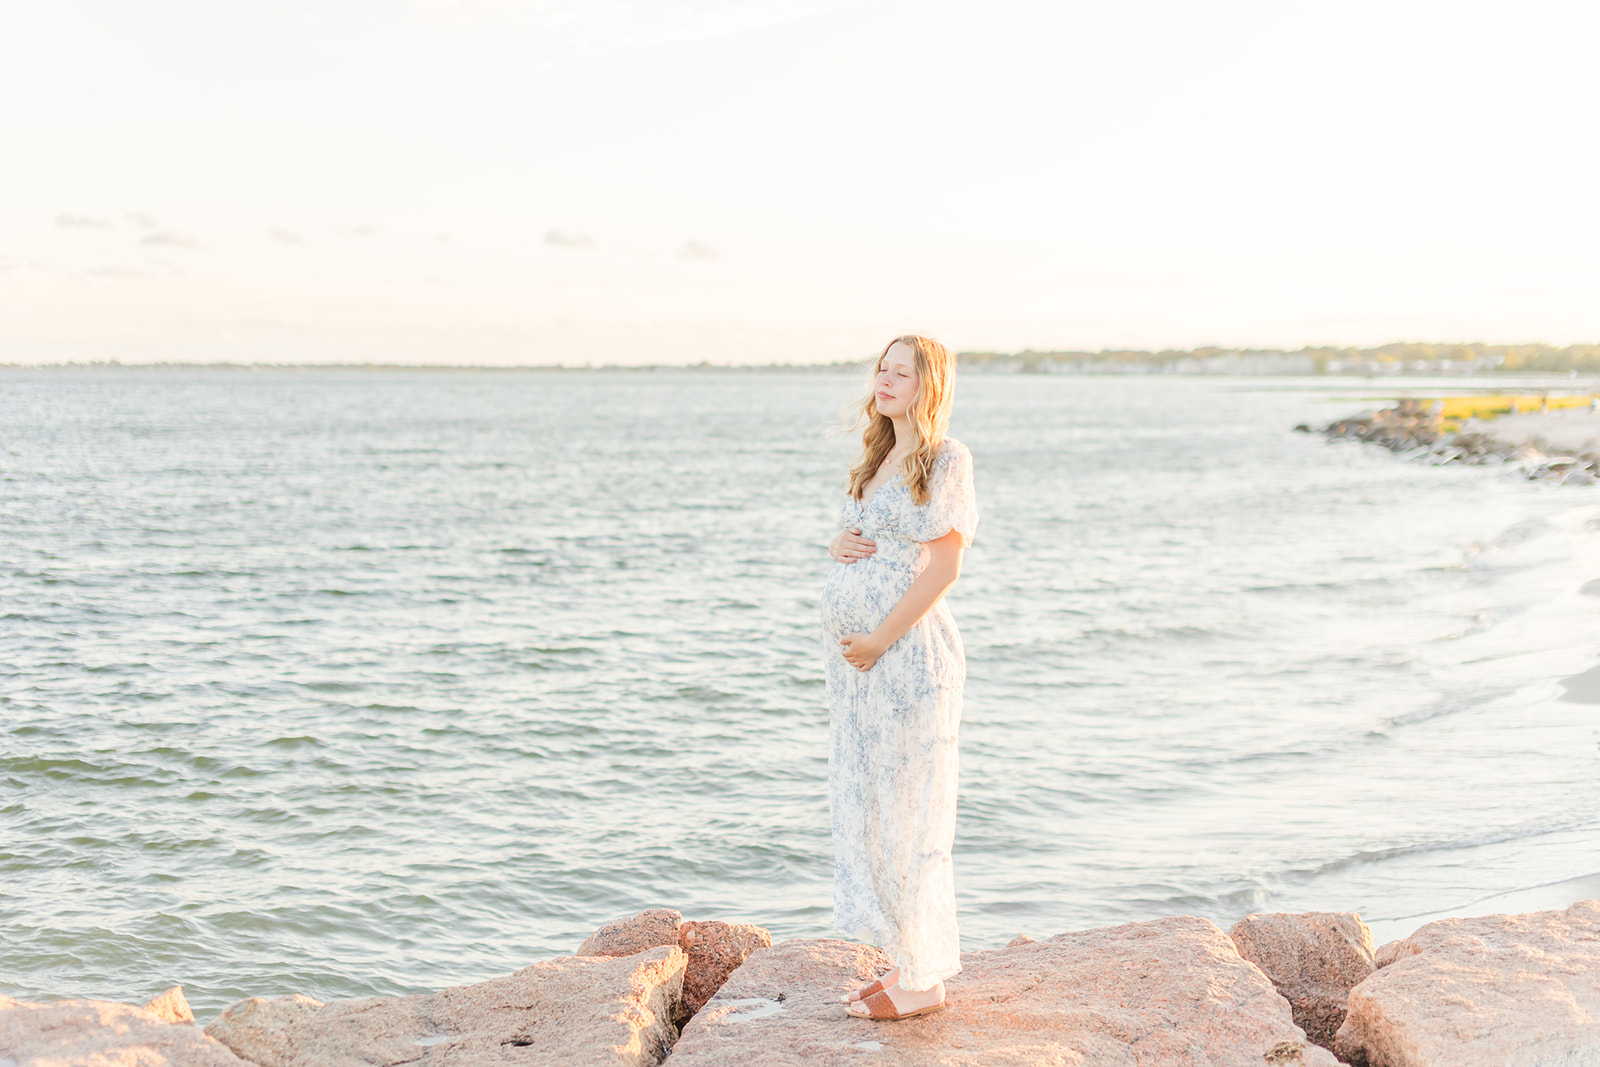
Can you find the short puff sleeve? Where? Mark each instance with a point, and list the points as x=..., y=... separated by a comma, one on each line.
x=951, y=505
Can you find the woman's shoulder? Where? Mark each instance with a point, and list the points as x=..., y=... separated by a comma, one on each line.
x=951, y=449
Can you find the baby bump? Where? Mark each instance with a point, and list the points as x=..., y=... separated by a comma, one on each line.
x=857, y=596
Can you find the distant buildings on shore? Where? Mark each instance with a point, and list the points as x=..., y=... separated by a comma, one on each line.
x=1393, y=359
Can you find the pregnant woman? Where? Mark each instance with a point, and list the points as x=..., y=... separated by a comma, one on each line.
x=895, y=669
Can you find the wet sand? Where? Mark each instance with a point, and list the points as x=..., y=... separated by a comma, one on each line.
x=1553, y=896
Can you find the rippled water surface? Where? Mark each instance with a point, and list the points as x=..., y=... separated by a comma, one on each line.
x=347, y=682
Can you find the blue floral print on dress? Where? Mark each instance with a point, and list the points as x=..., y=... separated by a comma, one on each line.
x=892, y=730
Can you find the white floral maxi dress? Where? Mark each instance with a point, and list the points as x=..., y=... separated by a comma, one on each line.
x=892, y=758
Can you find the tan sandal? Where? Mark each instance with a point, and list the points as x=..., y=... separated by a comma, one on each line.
x=864, y=992
x=881, y=1006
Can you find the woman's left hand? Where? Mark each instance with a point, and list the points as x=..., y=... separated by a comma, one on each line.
x=861, y=651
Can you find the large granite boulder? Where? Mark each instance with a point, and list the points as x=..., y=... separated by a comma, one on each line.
x=1508, y=990
x=171, y=1005
x=634, y=933
x=1313, y=959
x=714, y=949
x=573, y=1010
x=102, y=1033
x=1170, y=993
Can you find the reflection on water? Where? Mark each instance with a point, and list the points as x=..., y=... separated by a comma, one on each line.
x=348, y=683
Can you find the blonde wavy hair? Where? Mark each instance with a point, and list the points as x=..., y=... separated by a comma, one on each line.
x=929, y=415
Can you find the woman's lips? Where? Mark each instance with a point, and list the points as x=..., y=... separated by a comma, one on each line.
x=885, y=396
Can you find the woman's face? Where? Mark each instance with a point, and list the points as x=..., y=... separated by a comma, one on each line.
x=897, y=381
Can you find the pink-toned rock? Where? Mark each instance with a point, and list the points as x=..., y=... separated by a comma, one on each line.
x=1171, y=993
x=573, y=1010
x=172, y=1006
x=1508, y=990
x=715, y=950
x=1394, y=950
x=1313, y=959
x=1020, y=939
x=104, y=1034
x=634, y=933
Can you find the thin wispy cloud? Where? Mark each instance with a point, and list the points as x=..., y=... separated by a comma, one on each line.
x=563, y=239
x=697, y=250
x=118, y=273
x=81, y=222
x=358, y=231
x=169, y=239
x=555, y=31
x=468, y=12
x=142, y=221
x=285, y=236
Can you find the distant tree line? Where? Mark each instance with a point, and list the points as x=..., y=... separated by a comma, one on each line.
x=1487, y=357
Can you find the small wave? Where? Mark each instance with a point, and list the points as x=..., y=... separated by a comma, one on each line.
x=1451, y=705
x=304, y=741
x=1513, y=536
x=1519, y=533
x=1484, y=621
x=1291, y=753
x=184, y=756
x=50, y=768
x=1113, y=634
x=700, y=693
x=1449, y=844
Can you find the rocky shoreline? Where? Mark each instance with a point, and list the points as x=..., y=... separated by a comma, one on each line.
x=652, y=989
x=1418, y=430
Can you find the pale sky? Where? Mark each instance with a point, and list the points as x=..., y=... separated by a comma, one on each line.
x=638, y=181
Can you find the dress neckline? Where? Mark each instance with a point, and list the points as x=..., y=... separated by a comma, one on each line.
x=898, y=476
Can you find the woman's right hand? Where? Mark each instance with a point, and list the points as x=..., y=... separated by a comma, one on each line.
x=850, y=546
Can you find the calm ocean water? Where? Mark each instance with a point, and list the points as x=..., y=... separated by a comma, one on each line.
x=346, y=683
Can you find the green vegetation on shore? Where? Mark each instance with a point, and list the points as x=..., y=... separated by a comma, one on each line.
x=1456, y=408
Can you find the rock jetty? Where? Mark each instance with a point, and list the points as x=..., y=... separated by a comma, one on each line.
x=712, y=949
x=1173, y=992
x=1417, y=430
x=607, y=1010
x=100, y=1032
x=1500, y=989
x=1512, y=990
x=1313, y=959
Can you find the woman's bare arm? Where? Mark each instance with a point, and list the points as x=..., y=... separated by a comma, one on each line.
x=861, y=651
